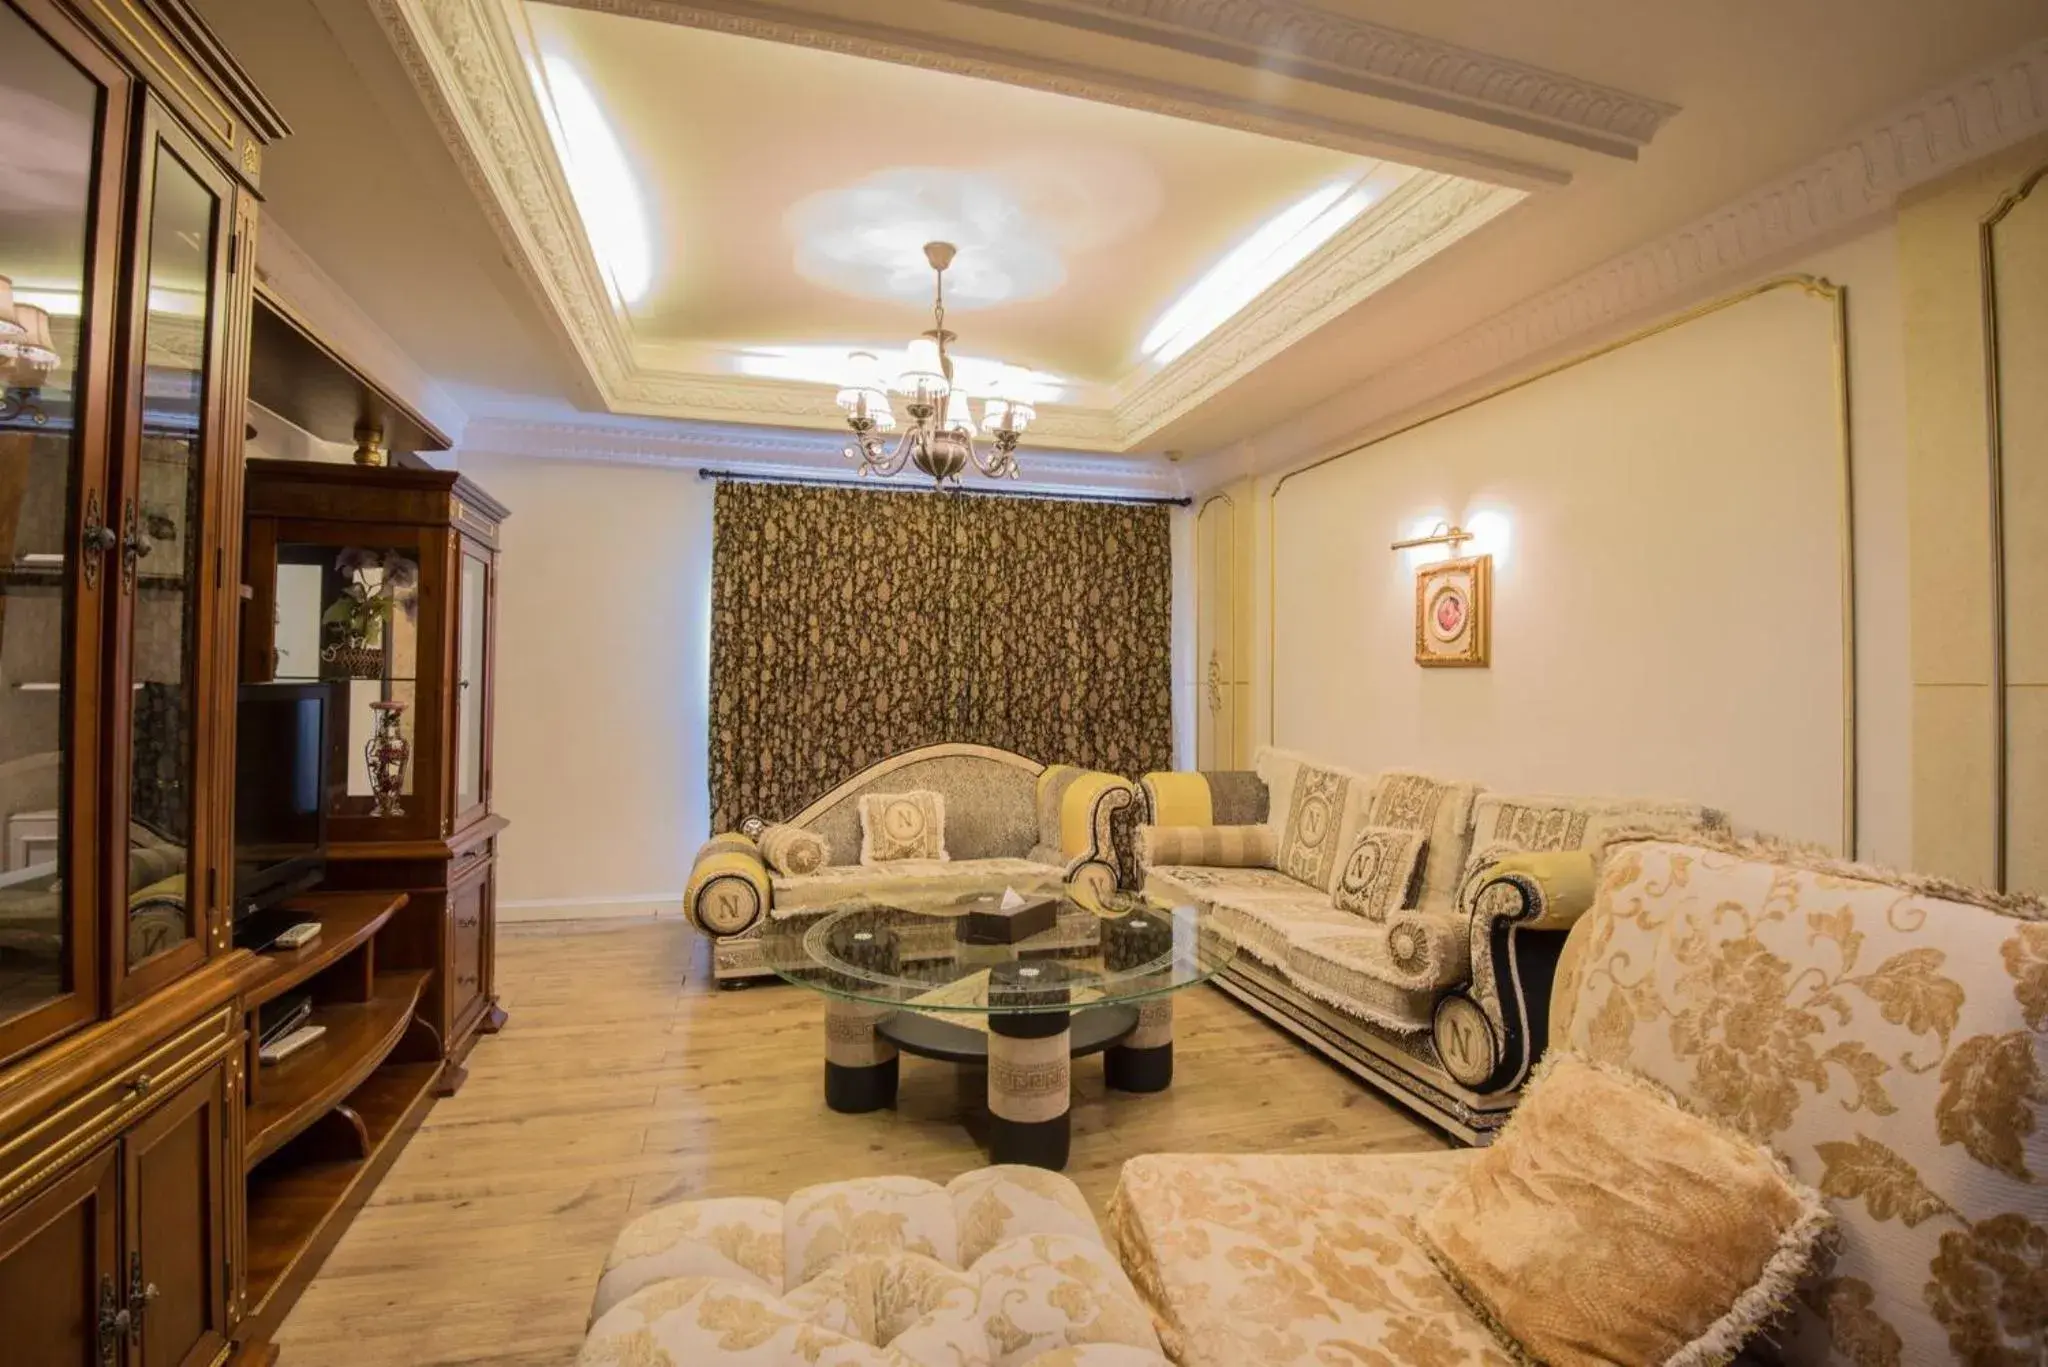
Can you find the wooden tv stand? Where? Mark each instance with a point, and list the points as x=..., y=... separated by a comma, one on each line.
x=323, y=1125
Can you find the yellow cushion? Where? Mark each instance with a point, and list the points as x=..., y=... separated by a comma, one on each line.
x=170, y=889
x=1607, y=1225
x=1180, y=799
x=1077, y=811
x=1568, y=879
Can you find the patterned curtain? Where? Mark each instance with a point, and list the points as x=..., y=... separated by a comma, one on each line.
x=849, y=625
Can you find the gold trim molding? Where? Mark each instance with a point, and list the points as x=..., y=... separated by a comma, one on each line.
x=1836, y=298
x=469, y=59
x=1994, y=375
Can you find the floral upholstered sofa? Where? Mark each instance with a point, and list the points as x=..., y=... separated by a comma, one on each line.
x=1006, y=817
x=1438, y=995
x=1001, y=1267
x=1887, y=1036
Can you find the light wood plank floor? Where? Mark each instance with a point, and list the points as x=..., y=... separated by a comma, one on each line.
x=625, y=1080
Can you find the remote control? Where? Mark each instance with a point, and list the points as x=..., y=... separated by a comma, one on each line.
x=302, y=933
x=291, y=1044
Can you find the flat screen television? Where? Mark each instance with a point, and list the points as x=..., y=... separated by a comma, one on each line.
x=284, y=783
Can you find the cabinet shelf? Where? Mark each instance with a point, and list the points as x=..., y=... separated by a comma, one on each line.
x=309, y=1084
x=296, y=1209
x=347, y=921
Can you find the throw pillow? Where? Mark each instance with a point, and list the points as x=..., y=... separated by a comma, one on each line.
x=1608, y=1225
x=1315, y=819
x=1381, y=873
x=897, y=826
x=792, y=851
x=1217, y=847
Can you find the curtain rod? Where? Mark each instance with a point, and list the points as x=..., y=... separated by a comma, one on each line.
x=748, y=477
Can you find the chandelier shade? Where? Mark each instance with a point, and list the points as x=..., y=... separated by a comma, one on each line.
x=9, y=326
x=33, y=345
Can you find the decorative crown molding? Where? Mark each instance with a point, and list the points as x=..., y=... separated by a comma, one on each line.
x=868, y=37
x=768, y=450
x=1851, y=185
x=469, y=60
x=1298, y=40
x=1416, y=222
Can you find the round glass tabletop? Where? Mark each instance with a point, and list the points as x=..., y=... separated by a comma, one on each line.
x=1014, y=948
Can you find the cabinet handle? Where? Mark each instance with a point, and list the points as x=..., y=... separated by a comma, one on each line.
x=465, y=923
x=97, y=539
x=140, y=1294
x=138, y=1087
x=135, y=544
x=113, y=1323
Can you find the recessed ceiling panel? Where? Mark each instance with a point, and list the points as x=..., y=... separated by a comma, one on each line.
x=786, y=192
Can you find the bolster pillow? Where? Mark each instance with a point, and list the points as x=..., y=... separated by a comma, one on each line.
x=792, y=851
x=1224, y=847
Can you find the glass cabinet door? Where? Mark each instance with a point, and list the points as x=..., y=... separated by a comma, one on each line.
x=62, y=119
x=349, y=616
x=163, y=567
x=471, y=660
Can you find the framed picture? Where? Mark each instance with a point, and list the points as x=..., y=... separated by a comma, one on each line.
x=1454, y=612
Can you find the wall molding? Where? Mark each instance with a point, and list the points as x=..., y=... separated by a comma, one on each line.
x=651, y=906
x=1854, y=184
x=1835, y=298
x=470, y=59
x=1302, y=42
x=784, y=451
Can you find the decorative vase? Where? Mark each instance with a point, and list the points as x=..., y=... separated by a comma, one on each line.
x=386, y=752
x=352, y=660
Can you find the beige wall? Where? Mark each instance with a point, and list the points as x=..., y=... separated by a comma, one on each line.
x=1955, y=627
x=603, y=634
x=1668, y=609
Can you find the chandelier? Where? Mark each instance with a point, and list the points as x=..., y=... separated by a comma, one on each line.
x=940, y=439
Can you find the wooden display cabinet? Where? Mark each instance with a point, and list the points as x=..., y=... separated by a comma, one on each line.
x=126, y=268
x=382, y=581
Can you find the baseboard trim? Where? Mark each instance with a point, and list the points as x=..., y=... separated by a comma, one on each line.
x=643, y=907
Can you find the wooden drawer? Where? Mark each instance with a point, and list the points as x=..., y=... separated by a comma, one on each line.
x=469, y=861
x=47, y=1136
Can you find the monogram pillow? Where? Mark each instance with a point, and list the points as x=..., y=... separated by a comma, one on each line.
x=1381, y=872
x=1314, y=824
x=897, y=826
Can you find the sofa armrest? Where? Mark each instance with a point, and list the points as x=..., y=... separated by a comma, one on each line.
x=1086, y=815
x=1521, y=906
x=729, y=889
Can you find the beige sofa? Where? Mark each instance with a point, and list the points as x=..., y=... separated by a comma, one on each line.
x=1888, y=1036
x=1442, y=1004
x=1007, y=817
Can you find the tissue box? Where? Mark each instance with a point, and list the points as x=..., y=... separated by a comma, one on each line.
x=988, y=922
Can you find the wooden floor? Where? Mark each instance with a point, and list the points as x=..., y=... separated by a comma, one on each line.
x=624, y=1081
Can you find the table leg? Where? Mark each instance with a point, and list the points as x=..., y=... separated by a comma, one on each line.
x=1143, y=1060
x=860, y=1066
x=1029, y=1077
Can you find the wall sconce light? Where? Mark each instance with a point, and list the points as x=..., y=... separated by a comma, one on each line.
x=1443, y=534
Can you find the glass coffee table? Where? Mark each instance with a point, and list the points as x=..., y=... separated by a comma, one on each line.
x=928, y=970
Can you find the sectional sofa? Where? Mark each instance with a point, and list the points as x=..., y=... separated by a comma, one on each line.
x=1007, y=817
x=1440, y=1000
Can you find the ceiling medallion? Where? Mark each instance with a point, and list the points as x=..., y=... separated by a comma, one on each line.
x=940, y=439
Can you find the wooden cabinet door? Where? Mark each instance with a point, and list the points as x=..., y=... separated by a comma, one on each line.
x=59, y=292
x=59, y=1266
x=170, y=563
x=176, y=1265
x=467, y=942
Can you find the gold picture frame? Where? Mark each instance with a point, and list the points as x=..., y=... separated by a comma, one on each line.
x=1454, y=613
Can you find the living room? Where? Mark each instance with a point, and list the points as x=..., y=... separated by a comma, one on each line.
x=1083, y=683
